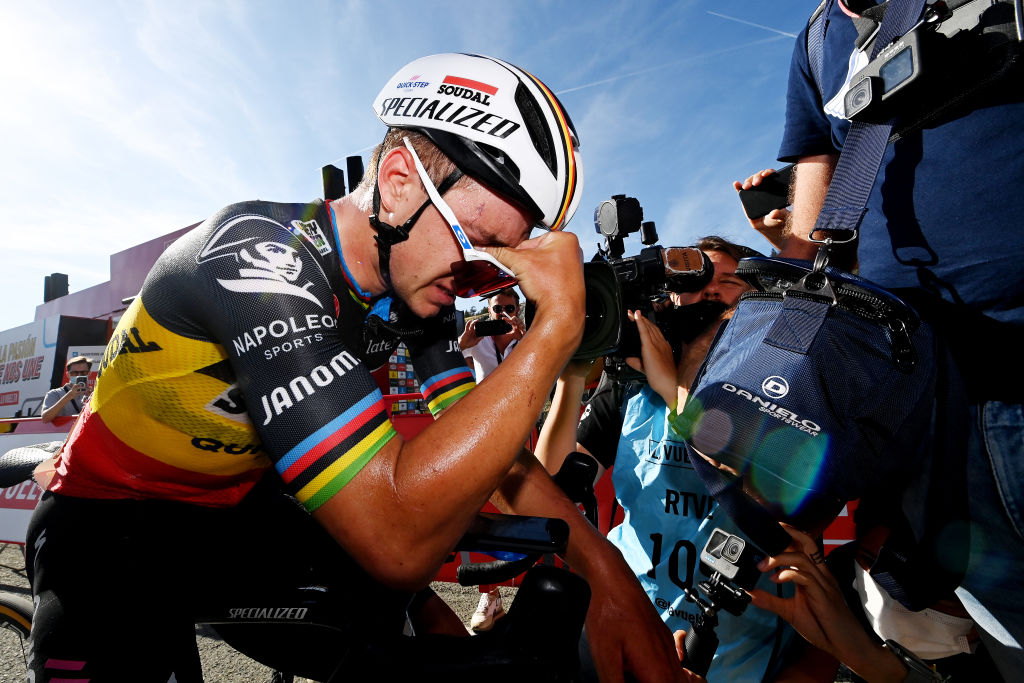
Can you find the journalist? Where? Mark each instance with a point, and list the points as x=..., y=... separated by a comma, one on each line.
x=668, y=515
x=71, y=397
x=943, y=184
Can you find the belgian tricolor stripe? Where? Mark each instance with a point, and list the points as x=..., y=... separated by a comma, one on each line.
x=570, y=158
x=444, y=389
x=325, y=461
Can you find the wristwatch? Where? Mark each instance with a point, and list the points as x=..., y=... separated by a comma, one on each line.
x=918, y=671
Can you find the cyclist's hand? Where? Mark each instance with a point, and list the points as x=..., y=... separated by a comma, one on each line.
x=550, y=272
x=626, y=634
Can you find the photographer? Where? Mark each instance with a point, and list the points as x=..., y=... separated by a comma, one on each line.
x=487, y=351
x=943, y=635
x=70, y=398
x=944, y=185
x=668, y=514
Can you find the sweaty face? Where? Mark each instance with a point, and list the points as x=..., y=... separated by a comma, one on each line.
x=725, y=286
x=421, y=266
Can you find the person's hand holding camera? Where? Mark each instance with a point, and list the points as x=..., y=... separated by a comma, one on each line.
x=518, y=328
x=79, y=387
x=656, y=359
x=819, y=612
x=468, y=339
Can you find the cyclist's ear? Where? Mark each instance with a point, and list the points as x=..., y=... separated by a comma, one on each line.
x=399, y=184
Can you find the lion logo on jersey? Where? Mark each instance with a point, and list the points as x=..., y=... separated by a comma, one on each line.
x=264, y=265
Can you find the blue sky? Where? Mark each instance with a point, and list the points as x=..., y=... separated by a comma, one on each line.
x=123, y=121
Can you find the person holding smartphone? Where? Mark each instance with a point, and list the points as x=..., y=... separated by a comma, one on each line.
x=69, y=398
x=485, y=342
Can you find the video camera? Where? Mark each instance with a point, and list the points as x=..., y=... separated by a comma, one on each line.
x=616, y=284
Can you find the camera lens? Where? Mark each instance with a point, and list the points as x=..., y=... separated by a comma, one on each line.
x=858, y=98
x=733, y=549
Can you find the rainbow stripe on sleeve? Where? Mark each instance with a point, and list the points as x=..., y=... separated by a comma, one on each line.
x=445, y=388
x=325, y=461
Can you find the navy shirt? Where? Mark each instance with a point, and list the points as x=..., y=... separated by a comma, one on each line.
x=956, y=181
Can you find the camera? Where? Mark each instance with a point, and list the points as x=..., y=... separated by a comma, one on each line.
x=616, y=284
x=732, y=557
x=491, y=328
x=80, y=379
x=944, y=57
x=730, y=563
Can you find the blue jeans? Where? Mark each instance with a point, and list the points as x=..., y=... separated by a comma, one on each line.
x=993, y=589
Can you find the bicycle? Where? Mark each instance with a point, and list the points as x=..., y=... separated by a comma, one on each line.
x=299, y=631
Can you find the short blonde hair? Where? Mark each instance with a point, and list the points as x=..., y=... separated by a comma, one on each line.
x=436, y=163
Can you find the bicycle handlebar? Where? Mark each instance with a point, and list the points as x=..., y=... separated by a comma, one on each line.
x=17, y=464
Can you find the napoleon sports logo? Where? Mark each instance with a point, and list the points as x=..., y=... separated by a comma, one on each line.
x=265, y=266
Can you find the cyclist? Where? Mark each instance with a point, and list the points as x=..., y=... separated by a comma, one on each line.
x=241, y=374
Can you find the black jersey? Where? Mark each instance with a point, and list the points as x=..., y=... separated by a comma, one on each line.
x=250, y=345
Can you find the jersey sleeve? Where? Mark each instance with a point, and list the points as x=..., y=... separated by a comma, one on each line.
x=807, y=130
x=439, y=364
x=266, y=299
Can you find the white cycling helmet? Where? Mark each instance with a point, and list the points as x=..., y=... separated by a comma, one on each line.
x=497, y=123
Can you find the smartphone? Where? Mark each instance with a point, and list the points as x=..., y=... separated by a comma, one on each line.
x=490, y=328
x=514, y=533
x=772, y=193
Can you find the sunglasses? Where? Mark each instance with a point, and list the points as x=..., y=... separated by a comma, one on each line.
x=508, y=308
x=478, y=273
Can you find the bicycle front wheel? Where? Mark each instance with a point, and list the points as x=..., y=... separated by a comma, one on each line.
x=15, y=624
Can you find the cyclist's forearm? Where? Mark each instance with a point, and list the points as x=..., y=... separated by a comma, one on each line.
x=528, y=490
x=414, y=500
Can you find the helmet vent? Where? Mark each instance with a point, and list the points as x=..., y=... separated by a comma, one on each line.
x=502, y=159
x=535, y=126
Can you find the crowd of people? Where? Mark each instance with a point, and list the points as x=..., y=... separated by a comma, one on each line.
x=446, y=209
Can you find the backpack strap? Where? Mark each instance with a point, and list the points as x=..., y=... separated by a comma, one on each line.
x=847, y=198
x=816, y=41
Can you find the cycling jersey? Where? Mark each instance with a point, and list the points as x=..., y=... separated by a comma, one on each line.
x=250, y=345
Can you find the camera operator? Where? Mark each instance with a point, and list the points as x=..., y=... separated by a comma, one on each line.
x=946, y=186
x=943, y=635
x=69, y=398
x=668, y=514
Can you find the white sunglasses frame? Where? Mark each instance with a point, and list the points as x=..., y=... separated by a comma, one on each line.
x=469, y=252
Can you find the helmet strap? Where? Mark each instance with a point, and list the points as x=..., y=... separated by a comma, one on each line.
x=389, y=235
